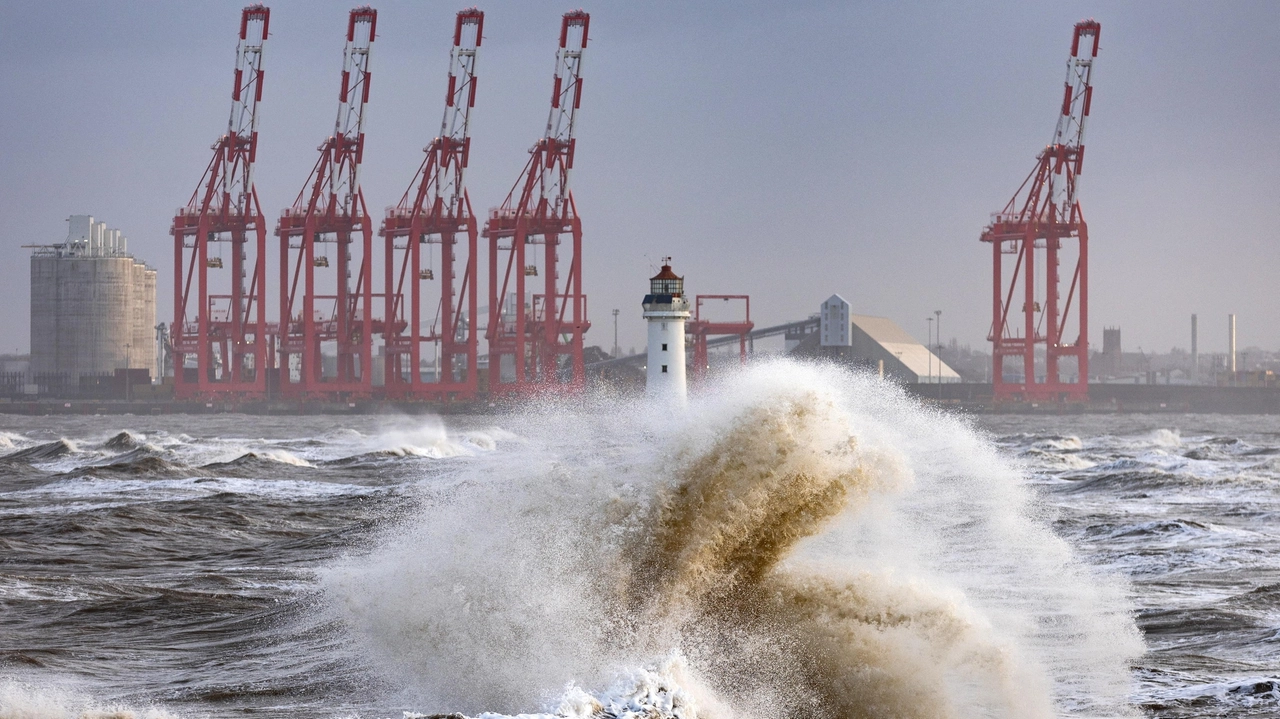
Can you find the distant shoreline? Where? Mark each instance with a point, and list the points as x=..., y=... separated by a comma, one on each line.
x=1112, y=399
x=967, y=397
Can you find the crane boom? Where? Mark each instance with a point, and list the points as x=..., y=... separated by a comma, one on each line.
x=460, y=98
x=335, y=181
x=1068, y=138
x=566, y=98
x=242, y=126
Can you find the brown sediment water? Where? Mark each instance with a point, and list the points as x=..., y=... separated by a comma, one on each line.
x=854, y=646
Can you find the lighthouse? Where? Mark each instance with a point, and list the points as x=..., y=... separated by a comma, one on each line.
x=666, y=310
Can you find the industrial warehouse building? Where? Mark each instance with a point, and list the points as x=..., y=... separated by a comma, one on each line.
x=866, y=341
x=93, y=310
x=880, y=339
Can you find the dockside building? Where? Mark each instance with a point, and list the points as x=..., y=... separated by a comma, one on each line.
x=93, y=308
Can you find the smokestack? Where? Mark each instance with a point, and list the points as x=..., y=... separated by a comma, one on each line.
x=1231, y=344
x=1195, y=353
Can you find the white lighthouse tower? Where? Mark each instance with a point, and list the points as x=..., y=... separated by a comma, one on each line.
x=666, y=309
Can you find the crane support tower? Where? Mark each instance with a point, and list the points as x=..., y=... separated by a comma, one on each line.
x=330, y=212
x=700, y=328
x=529, y=335
x=436, y=210
x=1038, y=225
x=223, y=326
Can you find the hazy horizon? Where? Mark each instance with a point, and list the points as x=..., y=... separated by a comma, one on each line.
x=783, y=152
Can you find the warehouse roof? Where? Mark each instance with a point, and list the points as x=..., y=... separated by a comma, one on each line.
x=914, y=356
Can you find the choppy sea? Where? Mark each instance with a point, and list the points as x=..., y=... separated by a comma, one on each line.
x=797, y=542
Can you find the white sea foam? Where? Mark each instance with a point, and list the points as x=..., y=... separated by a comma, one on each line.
x=814, y=542
x=428, y=437
x=1246, y=692
x=13, y=440
x=20, y=700
x=1060, y=444
x=283, y=457
x=81, y=494
x=665, y=690
x=18, y=588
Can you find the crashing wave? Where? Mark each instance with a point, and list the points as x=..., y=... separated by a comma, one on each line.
x=125, y=440
x=42, y=452
x=259, y=458
x=814, y=545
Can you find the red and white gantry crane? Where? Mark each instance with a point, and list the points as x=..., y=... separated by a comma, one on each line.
x=330, y=211
x=1039, y=224
x=435, y=211
x=529, y=335
x=224, y=325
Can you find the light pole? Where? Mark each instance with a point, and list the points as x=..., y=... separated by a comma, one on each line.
x=615, y=334
x=128, y=360
x=938, y=329
x=927, y=342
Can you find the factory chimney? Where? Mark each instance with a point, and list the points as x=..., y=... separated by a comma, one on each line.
x=666, y=309
x=1231, y=345
x=1195, y=353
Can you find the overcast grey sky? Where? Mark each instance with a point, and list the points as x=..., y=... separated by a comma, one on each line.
x=783, y=150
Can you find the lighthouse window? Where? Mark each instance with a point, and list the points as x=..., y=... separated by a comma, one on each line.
x=664, y=346
x=664, y=369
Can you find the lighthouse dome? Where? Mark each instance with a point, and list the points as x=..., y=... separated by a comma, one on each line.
x=666, y=282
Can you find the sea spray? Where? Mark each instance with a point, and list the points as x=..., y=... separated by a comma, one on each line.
x=21, y=700
x=814, y=543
